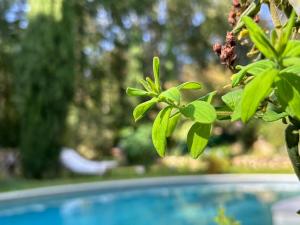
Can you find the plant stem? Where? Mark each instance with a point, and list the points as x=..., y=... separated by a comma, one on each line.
x=292, y=141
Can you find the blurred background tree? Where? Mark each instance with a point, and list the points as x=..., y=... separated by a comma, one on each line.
x=44, y=80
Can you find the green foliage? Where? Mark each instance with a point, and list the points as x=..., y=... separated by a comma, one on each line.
x=288, y=93
x=268, y=88
x=262, y=83
x=255, y=91
x=197, y=138
x=252, y=69
x=223, y=219
x=189, y=86
x=271, y=116
x=202, y=112
x=160, y=130
x=142, y=108
x=231, y=99
x=156, y=73
x=173, y=121
x=45, y=75
x=260, y=39
x=137, y=145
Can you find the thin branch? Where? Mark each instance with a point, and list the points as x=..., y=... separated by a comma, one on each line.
x=292, y=141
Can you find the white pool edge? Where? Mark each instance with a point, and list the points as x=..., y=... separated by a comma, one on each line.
x=114, y=185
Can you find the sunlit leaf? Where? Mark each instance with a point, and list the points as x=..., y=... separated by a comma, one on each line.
x=142, y=108
x=190, y=86
x=288, y=93
x=200, y=111
x=290, y=61
x=173, y=120
x=291, y=69
x=151, y=84
x=253, y=69
x=292, y=49
x=136, y=92
x=145, y=85
x=172, y=94
x=231, y=99
x=255, y=92
x=156, y=72
x=271, y=116
x=259, y=38
x=197, y=138
x=159, y=130
x=237, y=113
x=286, y=33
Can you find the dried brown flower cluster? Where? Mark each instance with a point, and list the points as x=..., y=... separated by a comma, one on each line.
x=236, y=10
x=227, y=51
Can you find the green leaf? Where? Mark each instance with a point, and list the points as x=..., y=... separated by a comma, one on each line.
x=159, y=130
x=197, y=138
x=208, y=97
x=200, y=111
x=237, y=113
x=142, y=108
x=173, y=123
x=286, y=32
x=136, y=92
x=255, y=92
x=231, y=99
x=291, y=69
x=156, y=72
x=259, y=38
x=145, y=85
x=253, y=69
x=288, y=93
x=292, y=49
x=271, y=116
x=273, y=37
x=290, y=61
x=172, y=94
x=189, y=86
x=151, y=84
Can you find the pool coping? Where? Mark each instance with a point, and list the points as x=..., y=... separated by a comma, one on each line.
x=135, y=183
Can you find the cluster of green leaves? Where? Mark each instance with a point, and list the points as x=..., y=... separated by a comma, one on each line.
x=200, y=111
x=269, y=87
x=223, y=219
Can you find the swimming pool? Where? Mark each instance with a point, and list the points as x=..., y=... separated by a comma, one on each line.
x=161, y=203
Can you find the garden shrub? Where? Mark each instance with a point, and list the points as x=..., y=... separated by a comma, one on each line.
x=137, y=145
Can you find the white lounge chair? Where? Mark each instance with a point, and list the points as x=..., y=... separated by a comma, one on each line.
x=73, y=161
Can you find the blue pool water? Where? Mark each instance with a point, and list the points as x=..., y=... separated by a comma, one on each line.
x=195, y=204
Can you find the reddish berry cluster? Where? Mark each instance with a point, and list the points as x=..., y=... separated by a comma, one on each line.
x=227, y=51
